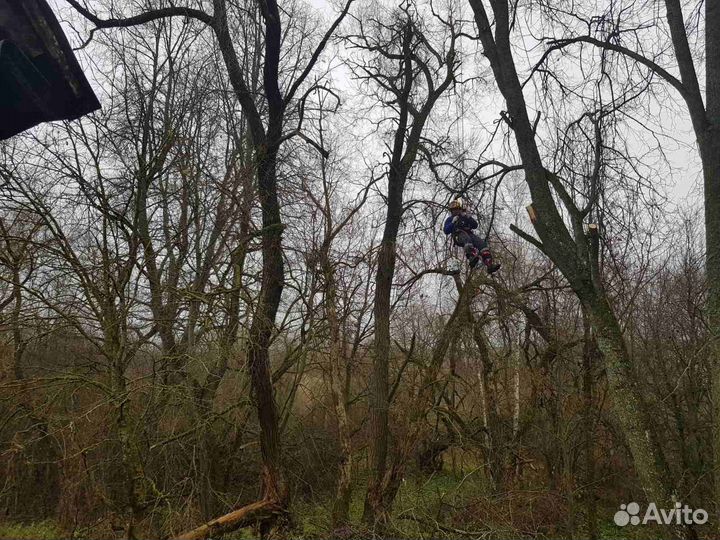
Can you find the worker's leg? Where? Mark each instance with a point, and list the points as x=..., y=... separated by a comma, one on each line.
x=465, y=240
x=484, y=253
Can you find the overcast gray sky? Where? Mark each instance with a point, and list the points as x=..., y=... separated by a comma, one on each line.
x=686, y=178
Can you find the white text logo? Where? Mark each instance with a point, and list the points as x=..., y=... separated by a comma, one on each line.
x=629, y=514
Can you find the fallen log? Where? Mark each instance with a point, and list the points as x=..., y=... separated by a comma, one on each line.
x=242, y=517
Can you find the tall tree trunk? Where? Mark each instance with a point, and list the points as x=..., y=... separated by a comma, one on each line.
x=494, y=444
x=275, y=494
x=379, y=380
x=706, y=124
x=629, y=406
x=710, y=154
x=712, y=265
x=338, y=389
x=19, y=343
x=571, y=254
x=393, y=476
x=589, y=434
x=406, y=144
x=134, y=496
x=274, y=487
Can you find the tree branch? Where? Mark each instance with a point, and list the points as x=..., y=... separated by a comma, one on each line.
x=148, y=16
x=528, y=238
x=318, y=51
x=655, y=68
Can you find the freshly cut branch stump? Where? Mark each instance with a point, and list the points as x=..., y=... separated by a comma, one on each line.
x=531, y=212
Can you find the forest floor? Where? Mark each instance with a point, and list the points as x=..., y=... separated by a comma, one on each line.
x=441, y=506
x=457, y=506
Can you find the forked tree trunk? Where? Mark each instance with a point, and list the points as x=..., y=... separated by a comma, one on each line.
x=266, y=143
x=705, y=117
x=379, y=380
x=706, y=124
x=408, y=133
x=417, y=411
x=494, y=443
x=571, y=254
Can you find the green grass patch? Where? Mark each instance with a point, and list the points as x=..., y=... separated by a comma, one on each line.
x=42, y=530
x=420, y=503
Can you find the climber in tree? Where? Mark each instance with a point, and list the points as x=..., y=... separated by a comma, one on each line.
x=461, y=226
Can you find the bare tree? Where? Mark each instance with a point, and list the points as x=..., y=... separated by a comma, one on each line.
x=413, y=74
x=266, y=140
x=572, y=251
x=607, y=32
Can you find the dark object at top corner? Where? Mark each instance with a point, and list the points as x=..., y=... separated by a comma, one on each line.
x=40, y=78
